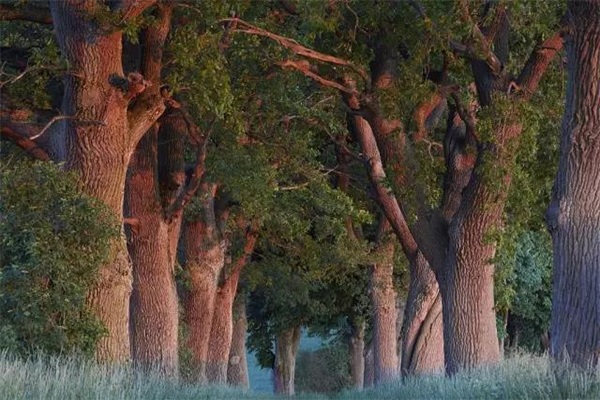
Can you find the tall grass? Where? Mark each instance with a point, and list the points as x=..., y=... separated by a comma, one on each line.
x=71, y=378
x=522, y=376
x=519, y=377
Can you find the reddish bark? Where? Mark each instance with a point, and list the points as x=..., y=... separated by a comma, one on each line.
x=100, y=151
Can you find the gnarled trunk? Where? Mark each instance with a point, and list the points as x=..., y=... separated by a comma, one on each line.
x=383, y=297
x=286, y=349
x=422, y=331
x=574, y=215
x=203, y=259
x=467, y=279
x=237, y=371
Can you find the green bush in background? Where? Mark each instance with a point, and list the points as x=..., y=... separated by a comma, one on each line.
x=53, y=240
x=325, y=370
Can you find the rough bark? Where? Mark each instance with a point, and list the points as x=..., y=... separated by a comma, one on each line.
x=422, y=331
x=574, y=214
x=154, y=306
x=99, y=151
x=152, y=240
x=356, y=352
x=383, y=297
x=221, y=332
x=203, y=257
x=286, y=348
x=237, y=371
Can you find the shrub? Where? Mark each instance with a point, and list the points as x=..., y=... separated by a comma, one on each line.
x=54, y=238
x=325, y=370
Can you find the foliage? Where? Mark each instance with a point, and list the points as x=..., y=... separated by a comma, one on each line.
x=54, y=238
x=325, y=370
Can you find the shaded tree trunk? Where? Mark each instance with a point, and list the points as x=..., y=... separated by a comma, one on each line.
x=286, y=349
x=356, y=352
x=574, y=214
x=203, y=258
x=99, y=144
x=369, y=380
x=237, y=371
x=221, y=333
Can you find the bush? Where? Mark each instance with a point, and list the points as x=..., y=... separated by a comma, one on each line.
x=54, y=238
x=325, y=370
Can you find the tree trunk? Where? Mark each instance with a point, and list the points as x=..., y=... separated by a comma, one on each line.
x=237, y=371
x=221, y=333
x=422, y=331
x=383, y=297
x=369, y=366
x=152, y=236
x=286, y=348
x=356, y=352
x=574, y=215
x=99, y=151
x=154, y=305
x=203, y=258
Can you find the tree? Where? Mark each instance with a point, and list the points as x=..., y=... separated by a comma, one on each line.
x=478, y=153
x=573, y=213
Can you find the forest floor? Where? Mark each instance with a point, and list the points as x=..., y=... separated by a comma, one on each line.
x=519, y=377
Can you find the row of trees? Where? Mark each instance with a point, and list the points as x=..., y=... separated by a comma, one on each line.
x=308, y=139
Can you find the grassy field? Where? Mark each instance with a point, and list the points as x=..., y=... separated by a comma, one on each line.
x=521, y=377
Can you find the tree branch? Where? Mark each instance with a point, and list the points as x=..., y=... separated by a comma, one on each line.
x=133, y=8
x=304, y=68
x=29, y=12
x=28, y=145
x=538, y=63
x=295, y=47
x=176, y=208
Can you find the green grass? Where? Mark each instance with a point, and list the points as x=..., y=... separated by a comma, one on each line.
x=520, y=377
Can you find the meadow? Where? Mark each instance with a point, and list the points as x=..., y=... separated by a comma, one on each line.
x=522, y=376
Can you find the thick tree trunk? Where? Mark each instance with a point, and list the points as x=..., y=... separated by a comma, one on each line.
x=574, y=215
x=383, y=295
x=154, y=306
x=237, y=371
x=221, y=333
x=99, y=151
x=203, y=259
x=152, y=237
x=99, y=141
x=286, y=348
x=356, y=353
x=422, y=331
